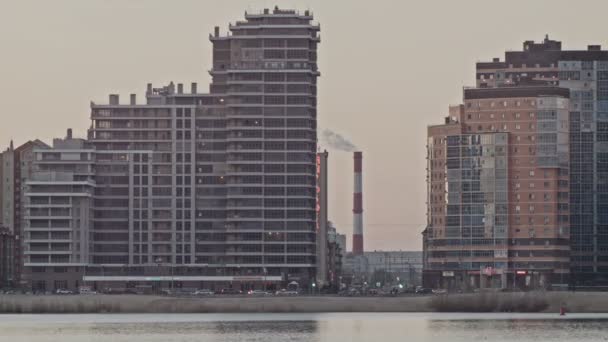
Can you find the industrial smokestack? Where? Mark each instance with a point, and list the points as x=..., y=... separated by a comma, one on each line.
x=358, y=204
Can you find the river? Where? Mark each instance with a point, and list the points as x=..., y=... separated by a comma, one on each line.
x=375, y=327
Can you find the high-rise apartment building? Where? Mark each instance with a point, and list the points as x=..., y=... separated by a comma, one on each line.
x=57, y=220
x=498, y=190
x=213, y=189
x=585, y=74
x=16, y=167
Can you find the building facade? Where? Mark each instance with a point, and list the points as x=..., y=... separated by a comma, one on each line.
x=16, y=167
x=322, y=224
x=334, y=260
x=58, y=215
x=585, y=74
x=7, y=255
x=498, y=212
x=213, y=189
x=405, y=267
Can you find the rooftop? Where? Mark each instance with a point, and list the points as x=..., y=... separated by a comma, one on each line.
x=508, y=92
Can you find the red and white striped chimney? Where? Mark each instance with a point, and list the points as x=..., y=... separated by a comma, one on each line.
x=358, y=204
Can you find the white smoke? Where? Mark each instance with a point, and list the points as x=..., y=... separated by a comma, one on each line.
x=337, y=141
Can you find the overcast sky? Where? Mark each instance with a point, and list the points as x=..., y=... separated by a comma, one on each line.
x=389, y=69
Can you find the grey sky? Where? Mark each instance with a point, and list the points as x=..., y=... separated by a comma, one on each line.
x=389, y=68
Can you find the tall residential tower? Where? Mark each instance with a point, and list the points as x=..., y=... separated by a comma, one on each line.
x=585, y=74
x=498, y=190
x=199, y=189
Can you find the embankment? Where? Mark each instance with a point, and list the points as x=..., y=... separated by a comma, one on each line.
x=588, y=302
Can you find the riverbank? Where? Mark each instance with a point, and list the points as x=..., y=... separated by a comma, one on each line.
x=581, y=302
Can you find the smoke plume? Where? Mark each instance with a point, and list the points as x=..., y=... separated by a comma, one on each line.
x=337, y=141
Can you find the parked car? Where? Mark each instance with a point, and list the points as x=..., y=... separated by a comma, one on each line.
x=86, y=290
x=63, y=292
x=229, y=291
x=203, y=292
x=284, y=292
x=258, y=293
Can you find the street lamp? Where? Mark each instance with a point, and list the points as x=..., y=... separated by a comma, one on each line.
x=159, y=262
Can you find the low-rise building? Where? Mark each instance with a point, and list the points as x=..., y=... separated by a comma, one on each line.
x=335, y=254
x=404, y=267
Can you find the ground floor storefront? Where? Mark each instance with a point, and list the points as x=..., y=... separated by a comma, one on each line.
x=156, y=280
x=466, y=280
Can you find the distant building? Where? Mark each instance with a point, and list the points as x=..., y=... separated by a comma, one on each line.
x=341, y=241
x=405, y=265
x=335, y=255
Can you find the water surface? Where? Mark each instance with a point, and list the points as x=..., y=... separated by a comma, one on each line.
x=375, y=327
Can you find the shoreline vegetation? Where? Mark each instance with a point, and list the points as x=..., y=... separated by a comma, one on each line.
x=579, y=302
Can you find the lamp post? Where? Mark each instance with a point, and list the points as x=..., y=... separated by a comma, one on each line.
x=159, y=262
x=265, y=277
